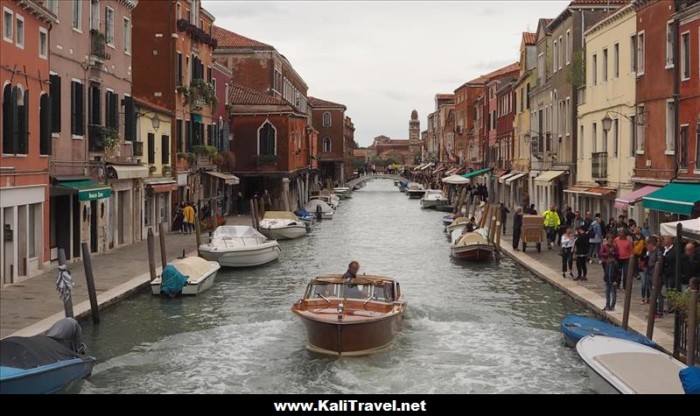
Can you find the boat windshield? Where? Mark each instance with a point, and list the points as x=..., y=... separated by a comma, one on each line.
x=434, y=192
x=321, y=290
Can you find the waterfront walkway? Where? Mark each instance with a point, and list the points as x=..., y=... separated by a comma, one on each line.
x=547, y=265
x=31, y=307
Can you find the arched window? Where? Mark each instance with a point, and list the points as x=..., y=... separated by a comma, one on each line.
x=267, y=140
x=327, y=144
x=15, y=126
x=326, y=119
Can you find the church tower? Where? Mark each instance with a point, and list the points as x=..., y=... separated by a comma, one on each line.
x=414, y=134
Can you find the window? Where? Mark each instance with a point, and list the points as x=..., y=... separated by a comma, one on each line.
x=616, y=60
x=52, y=6
x=594, y=138
x=633, y=53
x=561, y=52
x=267, y=140
x=55, y=91
x=151, y=148
x=8, y=120
x=179, y=68
x=616, y=137
x=555, y=56
x=327, y=145
x=594, y=70
x=669, y=44
x=77, y=108
x=19, y=31
x=277, y=82
x=111, y=110
x=683, y=147
x=581, y=149
x=7, y=25
x=639, y=128
x=326, y=119
x=165, y=149
x=179, y=11
x=527, y=101
x=43, y=43
x=126, y=34
x=697, y=146
x=15, y=125
x=95, y=15
x=685, y=56
x=540, y=69
x=640, y=53
x=77, y=14
x=670, y=126
x=605, y=65
x=178, y=136
x=109, y=26
x=569, y=47
x=45, y=124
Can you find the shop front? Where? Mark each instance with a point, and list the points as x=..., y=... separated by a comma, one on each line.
x=157, y=207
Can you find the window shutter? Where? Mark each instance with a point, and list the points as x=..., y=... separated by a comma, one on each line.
x=8, y=120
x=114, y=112
x=178, y=136
x=165, y=149
x=23, y=138
x=151, y=148
x=188, y=137
x=15, y=121
x=80, y=116
x=179, y=68
x=129, y=116
x=45, y=125
x=73, y=108
x=55, y=103
x=210, y=133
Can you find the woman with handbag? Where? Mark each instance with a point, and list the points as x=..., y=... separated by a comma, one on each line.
x=608, y=256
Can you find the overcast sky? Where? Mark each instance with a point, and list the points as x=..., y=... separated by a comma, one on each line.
x=383, y=59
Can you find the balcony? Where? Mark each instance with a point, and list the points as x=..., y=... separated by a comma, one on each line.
x=101, y=138
x=137, y=148
x=581, y=95
x=599, y=166
x=98, y=46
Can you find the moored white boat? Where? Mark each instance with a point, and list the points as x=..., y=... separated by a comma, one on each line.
x=189, y=276
x=331, y=199
x=621, y=366
x=432, y=198
x=343, y=192
x=240, y=246
x=316, y=206
x=415, y=190
x=281, y=225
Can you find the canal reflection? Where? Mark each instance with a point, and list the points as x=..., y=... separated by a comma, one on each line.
x=487, y=328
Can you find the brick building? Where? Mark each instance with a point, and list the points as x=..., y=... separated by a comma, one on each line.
x=688, y=72
x=328, y=119
x=25, y=139
x=349, y=146
x=444, y=126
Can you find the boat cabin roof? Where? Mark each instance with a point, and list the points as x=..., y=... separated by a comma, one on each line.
x=359, y=280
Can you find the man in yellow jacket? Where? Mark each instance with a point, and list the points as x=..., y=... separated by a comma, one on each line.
x=551, y=223
x=188, y=218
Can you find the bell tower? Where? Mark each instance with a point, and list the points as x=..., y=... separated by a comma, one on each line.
x=414, y=134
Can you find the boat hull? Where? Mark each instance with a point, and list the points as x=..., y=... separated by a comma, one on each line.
x=351, y=339
x=575, y=327
x=284, y=233
x=432, y=203
x=415, y=194
x=245, y=257
x=192, y=288
x=474, y=252
x=45, y=379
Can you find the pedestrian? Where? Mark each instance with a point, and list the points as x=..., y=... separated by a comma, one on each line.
x=567, y=252
x=551, y=222
x=588, y=220
x=611, y=228
x=625, y=248
x=188, y=218
x=595, y=233
x=668, y=273
x=533, y=211
x=652, y=256
x=177, y=221
x=517, y=226
x=646, y=232
x=581, y=254
x=638, y=249
x=690, y=264
x=240, y=203
x=504, y=216
x=569, y=216
x=608, y=256
x=621, y=223
x=576, y=221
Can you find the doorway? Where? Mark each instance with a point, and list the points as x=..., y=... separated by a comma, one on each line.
x=93, y=226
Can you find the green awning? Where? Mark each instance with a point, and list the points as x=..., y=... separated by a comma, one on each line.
x=476, y=173
x=676, y=198
x=88, y=190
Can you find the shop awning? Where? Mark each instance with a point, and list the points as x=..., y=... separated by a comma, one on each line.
x=87, y=189
x=577, y=189
x=633, y=197
x=474, y=173
x=451, y=172
x=130, y=172
x=676, y=198
x=439, y=170
x=549, y=176
x=500, y=172
x=158, y=186
x=503, y=178
x=599, y=192
x=228, y=178
x=515, y=178
x=429, y=165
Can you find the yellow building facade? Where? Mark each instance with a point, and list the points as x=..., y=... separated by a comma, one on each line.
x=606, y=116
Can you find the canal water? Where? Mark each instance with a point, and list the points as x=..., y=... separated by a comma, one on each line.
x=490, y=328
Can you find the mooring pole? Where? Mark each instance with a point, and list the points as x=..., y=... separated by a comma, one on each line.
x=655, y=292
x=163, y=256
x=151, y=253
x=631, y=267
x=90, y=278
x=67, y=297
x=692, y=334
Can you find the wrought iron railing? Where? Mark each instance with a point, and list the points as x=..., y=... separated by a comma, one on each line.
x=137, y=148
x=98, y=45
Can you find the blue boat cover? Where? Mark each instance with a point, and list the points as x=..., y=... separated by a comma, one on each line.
x=172, y=281
x=302, y=213
x=576, y=327
x=690, y=379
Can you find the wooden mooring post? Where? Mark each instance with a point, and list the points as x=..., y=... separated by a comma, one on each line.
x=90, y=278
x=692, y=334
x=655, y=291
x=198, y=232
x=163, y=256
x=150, y=239
x=631, y=267
x=68, y=298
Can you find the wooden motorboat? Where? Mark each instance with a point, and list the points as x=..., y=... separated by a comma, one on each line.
x=472, y=246
x=432, y=198
x=415, y=190
x=320, y=209
x=621, y=366
x=457, y=224
x=351, y=317
x=240, y=246
x=188, y=277
x=281, y=225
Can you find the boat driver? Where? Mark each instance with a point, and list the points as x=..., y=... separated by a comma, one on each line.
x=353, y=268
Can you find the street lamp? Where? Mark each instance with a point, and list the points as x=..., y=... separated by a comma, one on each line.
x=155, y=122
x=607, y=123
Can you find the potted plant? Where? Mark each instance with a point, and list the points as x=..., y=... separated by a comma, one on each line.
x=152, y=170
x=166, y=170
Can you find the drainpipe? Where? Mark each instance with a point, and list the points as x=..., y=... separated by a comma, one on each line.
x=676, y=94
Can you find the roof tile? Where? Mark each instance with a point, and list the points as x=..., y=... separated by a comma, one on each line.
x=317, y=102
x=227, y=39
x=530, y=38
x=240, y=95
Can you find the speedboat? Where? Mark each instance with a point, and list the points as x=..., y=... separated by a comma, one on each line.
x=281, y=225
x=343, y=192
x=188, y=277
x=240, y=246
x=351, y=317
x=447, y=220
x=432, y=198
x=621, y=366
x=322, y=209
x=403, y=184
x=44, y=363
x=331, y=199
x=472, y=246
x=575, y=327
x=306, y=217
x=415, y=190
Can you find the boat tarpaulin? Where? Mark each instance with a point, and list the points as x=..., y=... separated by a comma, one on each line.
x=172, y=281
x=474, y=173
x=633, y=197
x=676, y=198
x=32, y=352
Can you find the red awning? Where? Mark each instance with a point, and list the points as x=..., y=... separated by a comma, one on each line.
x=626, y=200
x=601, y=192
